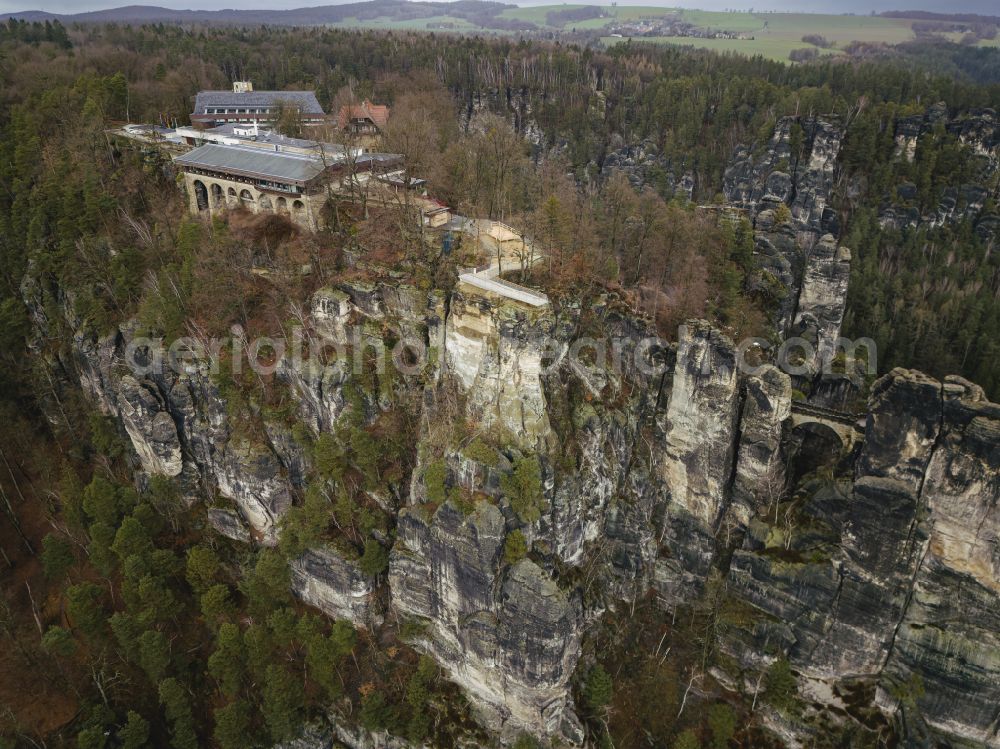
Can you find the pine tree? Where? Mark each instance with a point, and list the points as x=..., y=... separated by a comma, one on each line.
x=177, y=706
x=231, y=724
x=135, y=733
x=202, y=567
x=83, y=606
x=58, y=642
x=375, y=559
x=154, y=654
x=57, y=556
x=226, y=663
x=216, y=604
x=722, y=724
x=282, y=702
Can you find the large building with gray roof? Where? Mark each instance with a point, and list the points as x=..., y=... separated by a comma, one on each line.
x=224, y=177
x=243, y=104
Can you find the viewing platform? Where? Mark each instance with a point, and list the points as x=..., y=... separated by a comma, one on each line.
x=504, y=288
x=507, y=250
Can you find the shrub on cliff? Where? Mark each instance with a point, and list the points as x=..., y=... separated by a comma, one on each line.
x=524, y=741
x=722, y=723
x=523, y=489
x=375, y=560
x=434, y=482
x=597, y=689
x=515, y=548
x=780, y=686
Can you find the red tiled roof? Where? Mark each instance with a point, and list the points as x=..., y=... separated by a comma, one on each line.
x=377, y=113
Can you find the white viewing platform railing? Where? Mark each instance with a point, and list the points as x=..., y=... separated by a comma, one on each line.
x=487, y=277
x=504, y=288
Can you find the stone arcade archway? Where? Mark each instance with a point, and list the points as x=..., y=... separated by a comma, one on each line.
x=282, y=205
x=231, y=198
x=300, y=214
x=265, y=203
x=200, y=195
x=216, y=192
x=246, y=198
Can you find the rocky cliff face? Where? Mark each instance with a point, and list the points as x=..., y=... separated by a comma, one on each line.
x=178, y=424
x=323, y=578
x=865, y=589
x=795, y=169
x=643, y=165
x=700, y=424
x=494, y=352
x=800, y=264
x=760, y=467
x=786, y=189
x=504, y=631
x=823, y=299
x=979, y=131
x=948, y=636
x=150, y=427
x=695, y=461
x=780, y=261
x=514, y=104
x=506, y=634
x=879, y=567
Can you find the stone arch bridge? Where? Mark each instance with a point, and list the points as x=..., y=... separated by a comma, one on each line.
x=849, y=427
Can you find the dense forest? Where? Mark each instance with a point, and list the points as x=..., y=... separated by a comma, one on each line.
x=695, y=106
x=122, y=594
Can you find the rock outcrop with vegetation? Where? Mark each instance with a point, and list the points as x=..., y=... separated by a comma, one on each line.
x=443, y=517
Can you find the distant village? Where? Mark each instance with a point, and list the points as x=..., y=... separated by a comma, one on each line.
x=670, y=25
x=233, y=156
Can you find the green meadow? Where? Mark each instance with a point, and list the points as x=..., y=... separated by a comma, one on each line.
x=775, y=35
x=774, y=49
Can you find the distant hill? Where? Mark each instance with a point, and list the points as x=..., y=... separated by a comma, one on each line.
x=923, y=15
x=486, y=14
x=475, y=11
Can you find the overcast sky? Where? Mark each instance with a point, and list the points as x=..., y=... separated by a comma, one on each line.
x=987, y=7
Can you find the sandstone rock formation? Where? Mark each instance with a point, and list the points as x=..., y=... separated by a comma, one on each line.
x=800, y=264
x=508, y=636
x=872, y=576
x=979, y=131
x=906, y=584
x=948, y=637
x=700, y=425
x=760, y=465
x=495, y=352
x=796, y=168
x=150, y=427
x=823, y=299
x=644, y=166
x=323, y=578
